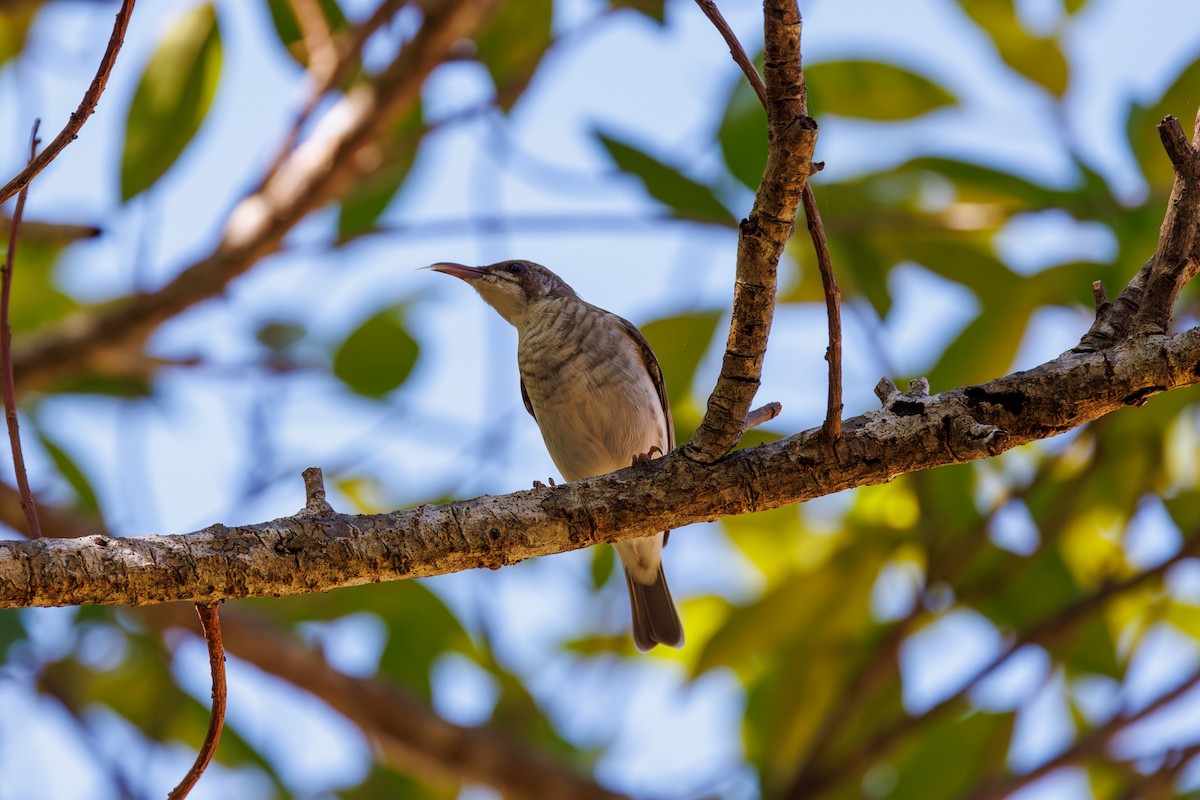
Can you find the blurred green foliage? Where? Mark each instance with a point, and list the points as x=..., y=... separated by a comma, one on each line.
x=816, y=655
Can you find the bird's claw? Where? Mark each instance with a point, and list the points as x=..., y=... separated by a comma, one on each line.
x=644, y=458
x=540, y=485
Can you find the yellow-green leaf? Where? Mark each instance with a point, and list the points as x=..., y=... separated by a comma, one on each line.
x=871, y=90
x=172, y=99
x=512, y=46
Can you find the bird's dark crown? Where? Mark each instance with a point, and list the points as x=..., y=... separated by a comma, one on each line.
x=536, y=281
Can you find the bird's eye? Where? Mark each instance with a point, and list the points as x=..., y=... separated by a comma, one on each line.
x=515, y=268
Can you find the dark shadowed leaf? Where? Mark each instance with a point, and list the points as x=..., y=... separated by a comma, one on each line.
x=686, y=198
x=378, y=356
x=278, y=336
x=654, y=9
x=172, y=99
x=950, y=755
x=70, y=472
x=1038, y=58
x=512, y=46
x=871, y=90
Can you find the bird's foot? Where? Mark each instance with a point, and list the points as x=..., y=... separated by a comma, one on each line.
x=644, y=458
x=540, y=485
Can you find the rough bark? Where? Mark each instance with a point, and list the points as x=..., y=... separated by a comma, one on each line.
x=312, y=552
x=791, y=137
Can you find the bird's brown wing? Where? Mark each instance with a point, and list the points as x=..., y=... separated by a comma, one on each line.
x=526, y=401
x=656, y=375
x=660, y=385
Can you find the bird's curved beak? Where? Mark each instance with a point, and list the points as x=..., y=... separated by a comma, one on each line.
x=457, y=270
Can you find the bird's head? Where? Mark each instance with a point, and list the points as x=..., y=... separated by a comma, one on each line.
x=510, y=287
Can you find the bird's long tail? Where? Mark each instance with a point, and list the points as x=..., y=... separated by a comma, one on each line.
x=655, y=620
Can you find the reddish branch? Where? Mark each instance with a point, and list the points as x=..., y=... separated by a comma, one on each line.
x=762, y=236
x=86, y=106
x=10, y=392
x=210, y=623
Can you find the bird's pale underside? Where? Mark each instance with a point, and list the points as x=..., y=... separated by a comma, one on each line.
x=594, y=387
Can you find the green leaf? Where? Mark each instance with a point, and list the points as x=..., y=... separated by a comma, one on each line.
x=71, y=472
x=36, y=300
x=1038, y=58
x=1178, y=100
x=172, y=99
x=512, y=46
x=743, y=135
x=986, y=347
x=363, y=205
x=278, y=335
x=950, y=756
x=603, y=561
x=871, y=90
x=654, y=9
x=685, y=197
x=679, y=343
x=288, y=29
x=14, y=27
x=12, y=629
x=378, y=356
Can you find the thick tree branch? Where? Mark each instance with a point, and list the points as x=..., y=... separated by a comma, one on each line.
x=412, y=736
x=306, y=553
x=86, y=106
x=791, y=136
x=1144, y=307
x=318, y=170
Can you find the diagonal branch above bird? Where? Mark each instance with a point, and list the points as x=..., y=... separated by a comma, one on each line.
x=595, y=389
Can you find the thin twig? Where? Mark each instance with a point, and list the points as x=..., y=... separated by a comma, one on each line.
x=9, y=387
x=816, y=229
x=86, y=106
x=832, y=427
x=210, y=623
x=709, y=7
x=763, y=235
x=762, y=415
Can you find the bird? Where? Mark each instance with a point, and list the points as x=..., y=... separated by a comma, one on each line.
x=596, y=391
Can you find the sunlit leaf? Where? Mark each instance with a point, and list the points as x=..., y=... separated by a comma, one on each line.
x=1038, y=58
x=512, y=46
x=871, y=90
x=603, y=561
x=378, y=356
x=14, y=27
x=686, y=198
x=172, y=99
x=1179, y=100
